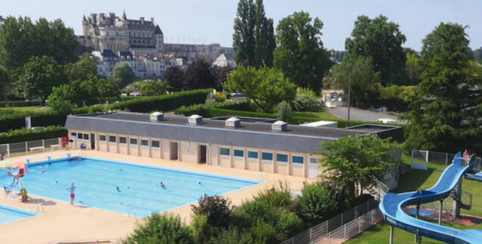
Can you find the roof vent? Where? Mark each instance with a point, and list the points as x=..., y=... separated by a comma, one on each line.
x=279, y=126
x=195, y=120
x=233, y=122
x=157, y=116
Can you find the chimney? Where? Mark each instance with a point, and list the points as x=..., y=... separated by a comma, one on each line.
x=156, y=116
x=152, y=20
x=142, y=20
x=195, y=120
x=233, y=122
x=279, y=126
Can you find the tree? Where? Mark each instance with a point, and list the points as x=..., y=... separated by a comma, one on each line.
x=199, y=76
x=413, y=68
x=445, y=115
x=123, y=75
x=357, y=75
x=153, y=88
x=221, y=75
x=20, y=39
x=4, y=81
x=253, y=38
x=284, y=111
x=81, y=69
x=478, y=55
x=161, y=228
x=300, y=53
x=266, y=87
x=351, y=162
x=381, y=40
x=175, y=77
x=39, y=76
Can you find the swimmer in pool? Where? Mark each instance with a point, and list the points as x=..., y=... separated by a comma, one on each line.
x=162, y=185
x=118, y=189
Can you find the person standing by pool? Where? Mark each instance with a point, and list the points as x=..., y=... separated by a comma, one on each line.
x=71, y=189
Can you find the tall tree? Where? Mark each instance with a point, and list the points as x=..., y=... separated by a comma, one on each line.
x=300, y=53
x=123, y=75
x=357, y=74
x=21, y=39
x=221, y=75
x=445, y=115
x=4, y=81
x=82, y=69
x=175, y=77
x=267, y=87
x=199, y=75
x=381, y=40
x=478, y=55
x=39, y=75
x=253, y=38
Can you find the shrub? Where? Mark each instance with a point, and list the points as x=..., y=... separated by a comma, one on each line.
x=217, y=209
x=25, y=134
x=232, y=236
x=305, y=100
x=284, y=111
x=279, y=198
x=201, y=229
x=219, y=97
x=249, y=212
x=262, y=232
x=20, y=103
x=316, y=204
x=205, y=109
x=61, y=106
x=287, y=224
x=161, y=228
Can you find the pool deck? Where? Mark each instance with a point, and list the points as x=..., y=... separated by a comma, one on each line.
x=59, y=221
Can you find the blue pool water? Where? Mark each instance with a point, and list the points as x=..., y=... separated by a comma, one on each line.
x=138, y=190
x=9, y=214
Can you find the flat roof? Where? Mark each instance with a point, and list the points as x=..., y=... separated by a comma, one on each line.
x=255, y=135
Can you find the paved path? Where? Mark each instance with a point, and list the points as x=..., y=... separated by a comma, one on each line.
x=358, y=114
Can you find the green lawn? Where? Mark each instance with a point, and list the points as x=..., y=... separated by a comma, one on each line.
x=25, y=109
x=322, y=114
x=421, y=179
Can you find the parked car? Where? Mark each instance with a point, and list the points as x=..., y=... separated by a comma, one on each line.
x=238, y=94
x=38, y=128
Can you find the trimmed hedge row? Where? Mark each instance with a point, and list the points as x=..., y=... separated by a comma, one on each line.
x=6, y=104
x=25, y=134
x=205, y=109
x=12, y=119
x=164, y=103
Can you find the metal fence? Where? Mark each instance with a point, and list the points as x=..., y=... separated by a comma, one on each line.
x=30, y=147
x=341, y=227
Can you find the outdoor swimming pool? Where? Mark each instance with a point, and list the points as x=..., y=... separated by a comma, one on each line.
x=9, y=214
x=122, y=187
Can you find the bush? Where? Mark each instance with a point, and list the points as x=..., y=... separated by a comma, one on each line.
x=61, y=106
x=316, y=204
x=219, y=97
x=16, y=119
x=216, y=208
x=161, y=228
x=232, y=236
x=20, y=103
x=205, y=109
x=201, y=229
x=284, y=111
x=25, y=134
x=279, y=198
x=305, y=100
x=166, y=102
x=249, y=212
x=287, y=224
x=262, y=232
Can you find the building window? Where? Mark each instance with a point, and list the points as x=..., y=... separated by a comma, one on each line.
x=239, y=153
x=282, y=158
x=266, y=156
x=80, y=136
x=144, y=142
x=112, y=139
x=252, y=155
x=156, y=144
x=123, y=140
x=133, y=141
x=298, y=159
x=102, y=138
x=73, y=135
x=86, y=137
x=225, y=151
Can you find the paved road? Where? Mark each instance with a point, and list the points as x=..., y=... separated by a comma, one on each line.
x=359, y=114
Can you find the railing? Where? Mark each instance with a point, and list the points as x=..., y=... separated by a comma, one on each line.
x=30, y=147
x=341, y=227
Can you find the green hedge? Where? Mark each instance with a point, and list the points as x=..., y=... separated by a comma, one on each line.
x=164, y=103
x=20, y=103
x=24, y=134
x=13, y=119
x=206, y=109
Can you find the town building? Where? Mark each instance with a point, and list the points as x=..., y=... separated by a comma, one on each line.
x=265, y=147
x=224, y=60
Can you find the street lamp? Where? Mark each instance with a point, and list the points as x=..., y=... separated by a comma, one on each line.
x=349, y=90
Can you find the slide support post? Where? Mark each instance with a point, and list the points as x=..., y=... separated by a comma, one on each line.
x=391, y=234
x=440, y=206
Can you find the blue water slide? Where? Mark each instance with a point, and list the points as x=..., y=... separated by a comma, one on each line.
x=392, y=207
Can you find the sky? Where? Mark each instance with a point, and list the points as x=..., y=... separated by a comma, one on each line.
x=211, y=21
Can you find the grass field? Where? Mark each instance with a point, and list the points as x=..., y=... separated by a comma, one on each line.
x=415, y=180
x=322, y=114
x=24, y=109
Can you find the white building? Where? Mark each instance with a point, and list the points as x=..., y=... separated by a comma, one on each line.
x=224, y=60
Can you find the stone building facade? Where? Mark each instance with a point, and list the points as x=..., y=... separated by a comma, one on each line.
x=140, y=37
